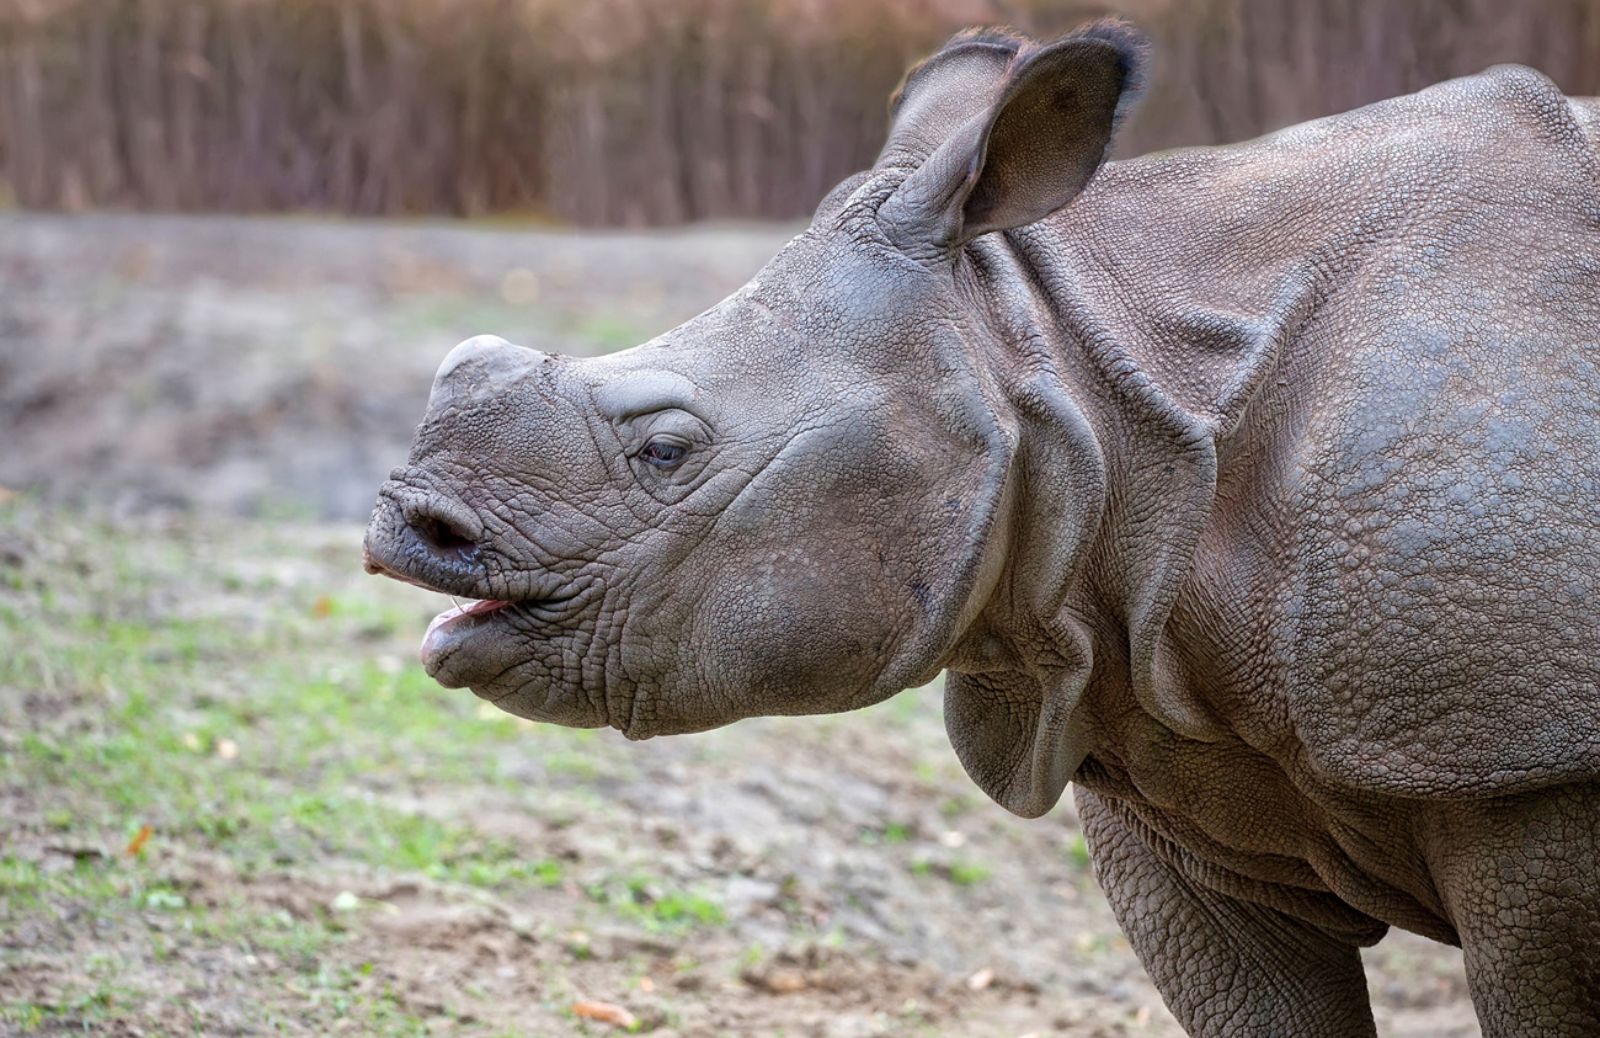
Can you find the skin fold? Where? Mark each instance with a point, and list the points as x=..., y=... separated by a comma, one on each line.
x=1250, y=489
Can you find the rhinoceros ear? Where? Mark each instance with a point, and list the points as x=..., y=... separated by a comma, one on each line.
x=943, y=92
x=1030, y=150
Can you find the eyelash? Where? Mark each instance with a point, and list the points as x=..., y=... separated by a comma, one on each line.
x=662, y=454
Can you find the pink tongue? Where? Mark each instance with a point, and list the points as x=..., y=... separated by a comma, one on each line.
x=438, y=625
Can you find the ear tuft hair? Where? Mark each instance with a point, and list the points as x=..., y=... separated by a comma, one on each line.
x=1131, y=45
x=1133, y=49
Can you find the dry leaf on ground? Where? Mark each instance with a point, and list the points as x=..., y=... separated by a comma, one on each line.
x=136, y=845
x=606, y=1013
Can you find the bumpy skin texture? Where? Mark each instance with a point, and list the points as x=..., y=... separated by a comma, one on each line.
x=1226, y=965
x=1252, y=489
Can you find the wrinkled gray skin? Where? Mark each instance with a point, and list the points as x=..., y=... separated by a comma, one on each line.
x=1254, y=491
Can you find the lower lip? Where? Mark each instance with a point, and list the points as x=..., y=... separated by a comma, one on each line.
x=454, y=622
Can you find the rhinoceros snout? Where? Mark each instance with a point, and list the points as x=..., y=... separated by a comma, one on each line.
x=425, y=538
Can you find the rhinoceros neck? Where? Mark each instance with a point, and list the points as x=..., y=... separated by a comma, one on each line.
x=1050, y=318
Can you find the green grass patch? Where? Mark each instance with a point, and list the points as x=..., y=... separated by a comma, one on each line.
x=892, y=833
x=1078, y=852
x=248, y=695
x=652, y=903
x=607, y=332
x=79, y=1012
x=961, y=873
x=230, y=731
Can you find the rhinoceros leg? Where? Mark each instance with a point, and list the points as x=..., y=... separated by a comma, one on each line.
x=1521, y=878
x=1225, y=967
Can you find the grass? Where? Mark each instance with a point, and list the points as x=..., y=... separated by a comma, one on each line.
x=961, y=873
x=273, y=774
x=244, y=697
x=654, y=904
x=1078, y=852
x=75, y=1012
x=272, y=777
x=162, y=681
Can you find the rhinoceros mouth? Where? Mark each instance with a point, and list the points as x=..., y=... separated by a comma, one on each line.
x=452, y=624
x=466, y=623
x=467, y=645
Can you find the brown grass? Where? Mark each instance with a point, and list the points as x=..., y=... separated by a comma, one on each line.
x=635, y=111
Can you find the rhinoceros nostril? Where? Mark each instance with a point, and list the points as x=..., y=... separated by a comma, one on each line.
x=443, y=537
x=421, y=522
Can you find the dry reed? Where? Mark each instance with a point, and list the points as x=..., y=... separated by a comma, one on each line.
x=635, y=111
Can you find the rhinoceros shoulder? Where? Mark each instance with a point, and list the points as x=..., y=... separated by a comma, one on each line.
x=1389, y=321
x=1441, y=574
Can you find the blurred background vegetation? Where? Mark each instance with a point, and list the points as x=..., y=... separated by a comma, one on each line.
x=636, y=112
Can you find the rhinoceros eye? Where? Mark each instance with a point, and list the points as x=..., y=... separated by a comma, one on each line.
x=663, y=453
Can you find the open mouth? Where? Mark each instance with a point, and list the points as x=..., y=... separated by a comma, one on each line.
x=447, y=630
x=477, y=628
x=481, y=642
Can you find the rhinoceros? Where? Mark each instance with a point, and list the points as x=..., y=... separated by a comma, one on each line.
x=1253, y=490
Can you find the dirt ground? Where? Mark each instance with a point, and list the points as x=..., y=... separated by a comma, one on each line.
x=232, y=804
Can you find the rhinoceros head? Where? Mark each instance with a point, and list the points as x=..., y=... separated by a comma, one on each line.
x=803, y=499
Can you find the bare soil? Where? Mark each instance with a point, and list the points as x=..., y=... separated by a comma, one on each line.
x=231, y=804
x=279, y=366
